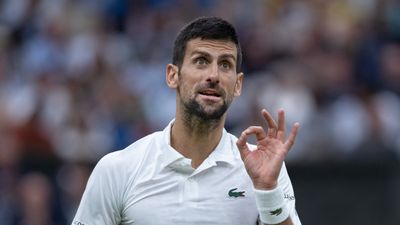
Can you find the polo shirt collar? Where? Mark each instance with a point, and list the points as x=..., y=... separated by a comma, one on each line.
x=172, y=158
x=224, y=150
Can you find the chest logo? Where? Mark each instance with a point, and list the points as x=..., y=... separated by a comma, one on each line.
x=234, y=193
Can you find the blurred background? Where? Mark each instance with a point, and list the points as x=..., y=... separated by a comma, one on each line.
x=82, y=78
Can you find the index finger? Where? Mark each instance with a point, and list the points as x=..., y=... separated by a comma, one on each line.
x=241, y=143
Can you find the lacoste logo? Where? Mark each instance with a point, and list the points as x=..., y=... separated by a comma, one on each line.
x=234, y=193
x=276, y=212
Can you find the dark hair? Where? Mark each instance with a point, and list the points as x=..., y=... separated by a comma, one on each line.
x=211, y=28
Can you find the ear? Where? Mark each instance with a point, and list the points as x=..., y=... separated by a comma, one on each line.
x=172, y=76
x=238, y=84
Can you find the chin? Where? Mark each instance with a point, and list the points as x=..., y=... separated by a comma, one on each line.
x=212, y=113
x=204, y=110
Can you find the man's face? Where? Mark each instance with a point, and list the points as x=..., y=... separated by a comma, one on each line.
x=207, y=80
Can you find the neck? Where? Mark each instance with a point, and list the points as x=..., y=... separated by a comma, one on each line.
x=195, y=138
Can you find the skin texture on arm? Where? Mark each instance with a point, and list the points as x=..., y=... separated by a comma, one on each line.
x=264, y=163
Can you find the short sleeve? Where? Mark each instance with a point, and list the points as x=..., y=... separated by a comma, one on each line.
x=101, y=201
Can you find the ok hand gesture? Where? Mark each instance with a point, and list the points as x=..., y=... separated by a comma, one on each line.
x=264, y=163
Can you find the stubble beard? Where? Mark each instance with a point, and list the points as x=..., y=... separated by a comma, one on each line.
x=193, y=108
x=197, y=111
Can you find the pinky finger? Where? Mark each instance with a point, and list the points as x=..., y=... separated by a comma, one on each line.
x=292, y=137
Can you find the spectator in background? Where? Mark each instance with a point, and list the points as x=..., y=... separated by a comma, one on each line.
x=37, y=202
x=9, y=174
x=71, y=181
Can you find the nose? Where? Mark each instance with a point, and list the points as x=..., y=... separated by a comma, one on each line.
x=213, y=75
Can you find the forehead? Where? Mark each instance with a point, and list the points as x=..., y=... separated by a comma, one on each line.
x=212, y=47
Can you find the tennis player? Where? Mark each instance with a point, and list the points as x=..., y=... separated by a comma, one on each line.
x=194, y=171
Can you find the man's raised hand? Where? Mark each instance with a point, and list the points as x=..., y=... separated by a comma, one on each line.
x=264, y=163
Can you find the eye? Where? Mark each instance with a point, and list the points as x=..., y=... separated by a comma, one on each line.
x=225, y=65
x=200, y=61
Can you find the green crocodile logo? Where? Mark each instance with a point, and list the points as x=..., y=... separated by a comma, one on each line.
x=234, y=193
x=276, y=212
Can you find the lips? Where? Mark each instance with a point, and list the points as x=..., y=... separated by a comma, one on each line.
x=210, y=92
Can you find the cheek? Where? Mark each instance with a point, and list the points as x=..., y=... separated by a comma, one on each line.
x=185, y=89
x=232, y=86
x=187, y=83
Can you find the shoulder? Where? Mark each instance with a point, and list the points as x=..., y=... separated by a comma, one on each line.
x=130, y=157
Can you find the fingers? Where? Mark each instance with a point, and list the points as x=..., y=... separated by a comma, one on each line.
x=293, y=133
x=256, y=130
x=274, y=130
x=271, y=123
x=242, y=141
x=281, y=134
x=280, y=131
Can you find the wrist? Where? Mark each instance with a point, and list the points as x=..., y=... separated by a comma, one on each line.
x=265, y=186
x=271, y=205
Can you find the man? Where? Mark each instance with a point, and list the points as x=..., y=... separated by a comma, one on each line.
x=194, y=172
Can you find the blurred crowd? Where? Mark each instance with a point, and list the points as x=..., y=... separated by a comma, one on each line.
x=81, y=78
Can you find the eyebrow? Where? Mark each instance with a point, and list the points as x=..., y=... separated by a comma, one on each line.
x=197, y=52
x=227, y=56
x=223, y=56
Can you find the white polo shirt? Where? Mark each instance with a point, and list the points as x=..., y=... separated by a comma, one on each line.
x=150, y=183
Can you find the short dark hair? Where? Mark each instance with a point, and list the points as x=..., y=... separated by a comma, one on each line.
x=211, y=28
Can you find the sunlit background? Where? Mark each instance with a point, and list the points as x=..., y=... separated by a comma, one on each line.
x=81, y=78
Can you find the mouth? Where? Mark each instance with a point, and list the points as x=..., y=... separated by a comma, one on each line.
x=210, y=92
x=210, y=95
